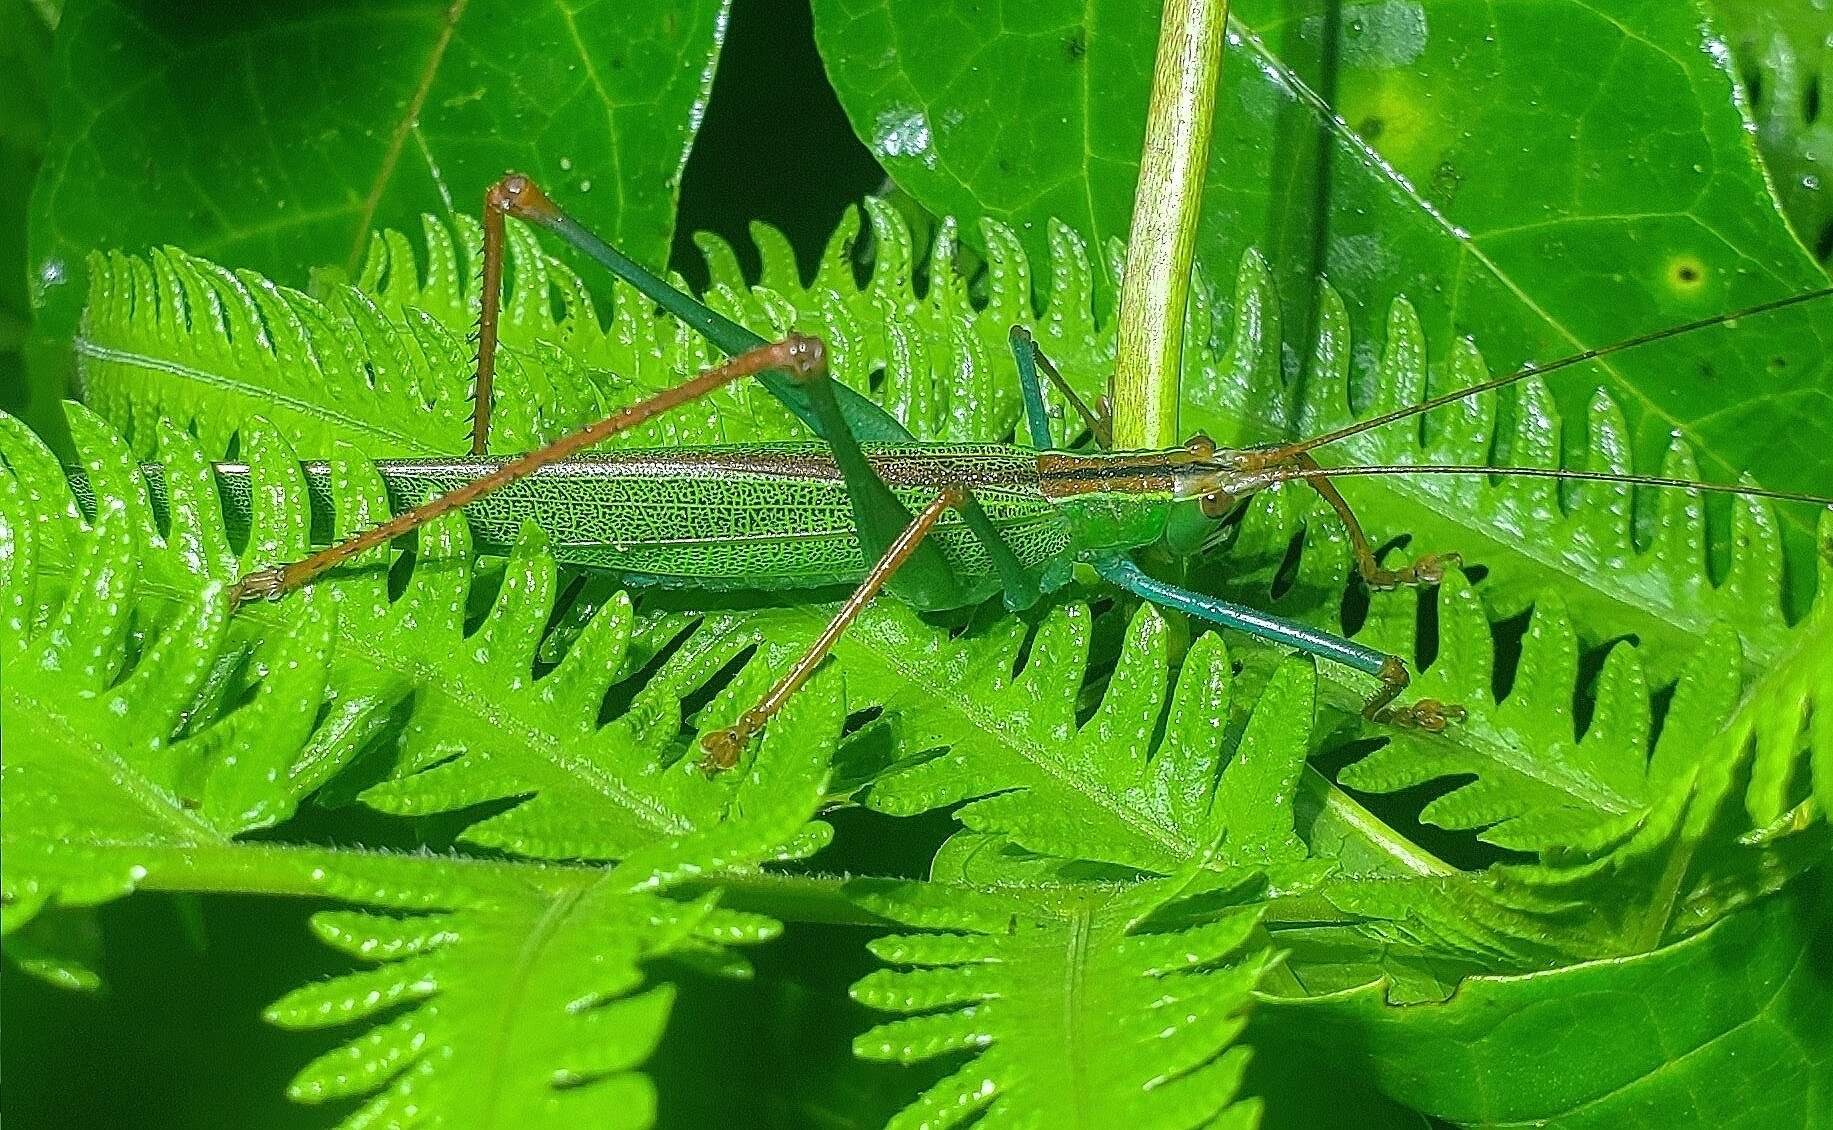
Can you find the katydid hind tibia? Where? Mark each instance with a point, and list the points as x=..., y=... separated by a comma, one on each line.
x=938, y=525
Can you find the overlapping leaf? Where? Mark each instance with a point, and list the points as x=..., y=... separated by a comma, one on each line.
x=1549, y=175
x=258, y=135
x=1727, y=1028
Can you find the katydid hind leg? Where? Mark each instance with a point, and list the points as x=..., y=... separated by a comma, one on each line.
x=797, y=354
x=836, y=413
x=1425, y=714
x=516, y=195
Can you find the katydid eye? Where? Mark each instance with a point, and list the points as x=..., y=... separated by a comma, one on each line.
x=1216, y=504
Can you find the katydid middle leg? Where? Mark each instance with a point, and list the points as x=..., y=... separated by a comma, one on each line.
x=1031, y=361
x=723, y=747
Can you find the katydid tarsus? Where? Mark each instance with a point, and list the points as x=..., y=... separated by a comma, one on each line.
x=937, y=525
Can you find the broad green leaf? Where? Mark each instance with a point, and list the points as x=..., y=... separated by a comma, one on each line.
x=1782, y=53
x=1732, y=1027
x=1546, y=175
x=287, y=138
x=1076, y=1010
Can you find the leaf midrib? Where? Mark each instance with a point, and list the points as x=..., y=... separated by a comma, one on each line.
x=356, y=647
x=260, y=394
x=157, y=801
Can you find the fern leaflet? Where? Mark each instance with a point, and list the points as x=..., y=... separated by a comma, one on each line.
x=1076, y=1009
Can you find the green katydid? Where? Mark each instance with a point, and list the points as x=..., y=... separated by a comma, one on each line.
x=939, y=525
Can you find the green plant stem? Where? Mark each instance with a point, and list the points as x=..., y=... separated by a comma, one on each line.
x=1166, y=205
x=285, y=870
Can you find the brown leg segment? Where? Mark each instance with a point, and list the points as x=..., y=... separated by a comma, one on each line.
x=723, y=747
x=1427, y=714
x=1428, y=570
x=1100, y=420
x=497, y=202
x=803, y=357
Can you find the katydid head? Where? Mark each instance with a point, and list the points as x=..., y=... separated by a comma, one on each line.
x=1128, y=499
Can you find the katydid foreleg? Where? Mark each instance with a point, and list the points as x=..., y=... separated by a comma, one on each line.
x=1031, y=361
x=1426, y=570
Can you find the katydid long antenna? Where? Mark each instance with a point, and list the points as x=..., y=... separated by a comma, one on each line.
x=1280, y=454
x=1286, y=474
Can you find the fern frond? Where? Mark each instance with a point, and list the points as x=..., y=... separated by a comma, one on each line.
x=138, y=751
x=480, y=722
x=1532, y=536
x=530, y=995
x=1538, y=779
x=531, y=1011
x=1542, y=775
x=961, y=724
x=384, y=365
x=1075, y=1010
x=1728, y=806
x=1740, y=817
x=116, y=746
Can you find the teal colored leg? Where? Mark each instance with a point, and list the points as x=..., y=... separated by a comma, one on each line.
x=1425, y=714
x=867, y=421
x=1037, y=418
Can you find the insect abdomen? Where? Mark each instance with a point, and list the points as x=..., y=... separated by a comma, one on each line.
x=744, y=517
